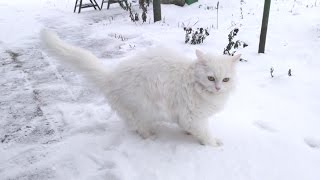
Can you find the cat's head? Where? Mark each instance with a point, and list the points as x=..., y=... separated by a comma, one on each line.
x=214, y=74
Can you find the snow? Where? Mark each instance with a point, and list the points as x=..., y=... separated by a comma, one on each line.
x=54, y=126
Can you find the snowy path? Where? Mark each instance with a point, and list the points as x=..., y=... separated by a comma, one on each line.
x=54, y=126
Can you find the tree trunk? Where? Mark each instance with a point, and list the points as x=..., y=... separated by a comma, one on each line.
x=156, y=10
x=264, y=26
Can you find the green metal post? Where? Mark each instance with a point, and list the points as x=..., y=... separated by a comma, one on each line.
x=264, y=26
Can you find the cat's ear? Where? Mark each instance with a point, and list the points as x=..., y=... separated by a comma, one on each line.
x=235, y=58
x=200, y=55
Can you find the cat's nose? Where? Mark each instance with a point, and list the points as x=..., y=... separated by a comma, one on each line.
x=218, y=88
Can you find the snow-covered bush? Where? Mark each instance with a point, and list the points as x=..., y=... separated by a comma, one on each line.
x=232, y=45
x=134, y=16
x=271, y=71
x=195, y=36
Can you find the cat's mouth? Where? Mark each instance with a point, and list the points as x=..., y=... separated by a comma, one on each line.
x=207, y=90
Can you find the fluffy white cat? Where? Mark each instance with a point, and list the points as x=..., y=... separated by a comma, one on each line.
x=157, y=85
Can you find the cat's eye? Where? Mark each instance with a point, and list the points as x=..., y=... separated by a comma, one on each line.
x=211, y=78
x=226, y=79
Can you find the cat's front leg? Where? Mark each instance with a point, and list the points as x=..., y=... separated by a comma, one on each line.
x=200, y=130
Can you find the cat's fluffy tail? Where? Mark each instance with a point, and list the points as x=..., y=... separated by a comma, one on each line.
x=79, y=59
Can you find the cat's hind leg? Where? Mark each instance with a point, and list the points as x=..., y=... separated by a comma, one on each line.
x=199, y=129
x=140, y=122
x=145, y=126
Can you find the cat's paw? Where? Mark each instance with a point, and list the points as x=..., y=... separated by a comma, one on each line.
x=216, y=143
x=212, y=142
x=145, y=133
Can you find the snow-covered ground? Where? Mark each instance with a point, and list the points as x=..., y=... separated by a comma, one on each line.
x=54, y=126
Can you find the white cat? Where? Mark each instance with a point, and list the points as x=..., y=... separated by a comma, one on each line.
x=158, y=85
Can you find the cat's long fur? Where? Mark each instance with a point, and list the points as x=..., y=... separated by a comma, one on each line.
x=158, y=85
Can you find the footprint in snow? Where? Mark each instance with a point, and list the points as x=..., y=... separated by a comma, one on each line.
x=312, y=142
x=105, y=175
x=264, y=126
